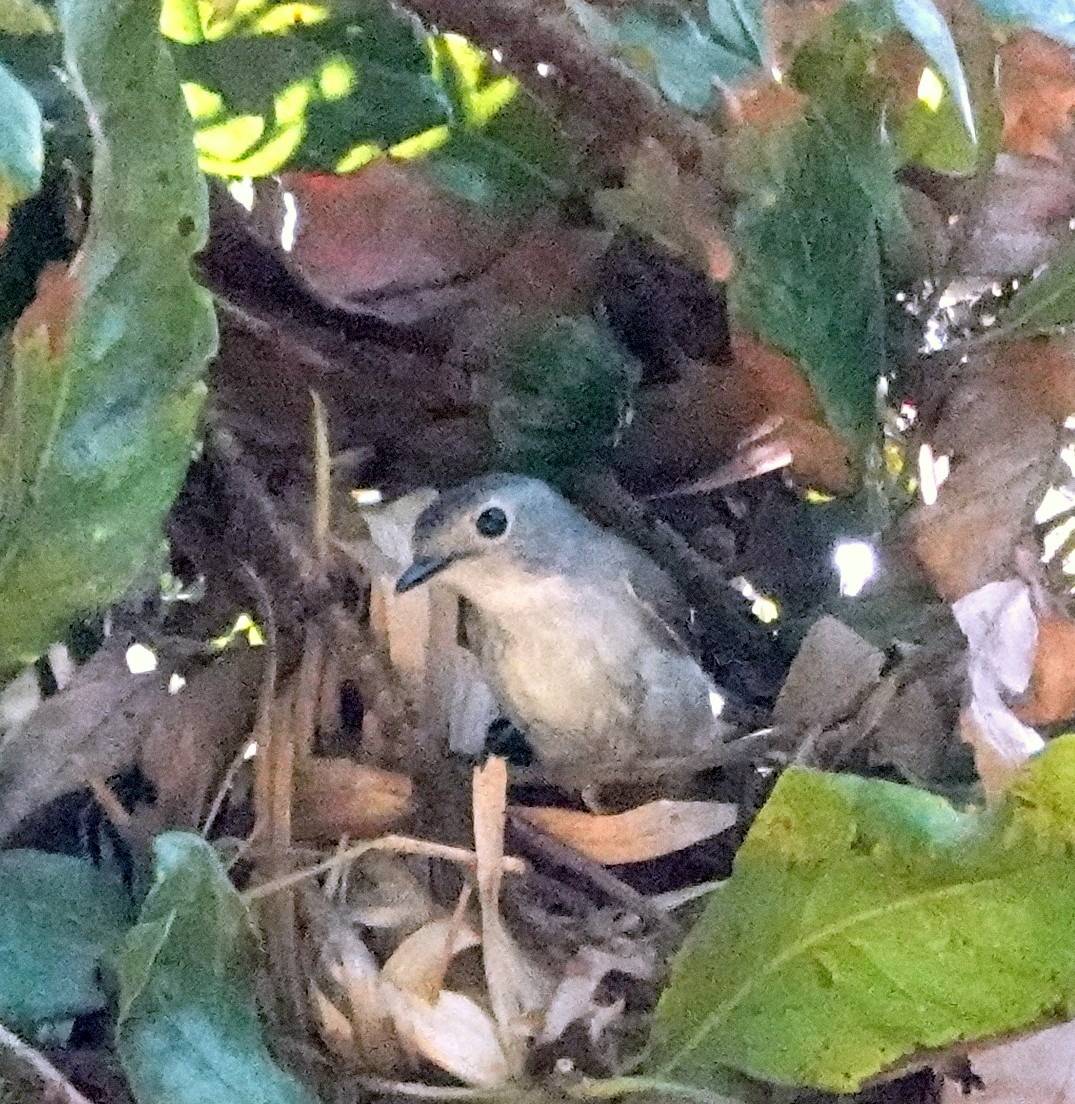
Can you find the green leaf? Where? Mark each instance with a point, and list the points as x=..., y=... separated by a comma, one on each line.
x=101, y=391
x=927, y=26
x=865, y=922
x=22, y=145
x=1047, y=302
x=810, y=236
x=672, y=48
x=1055, y=18
x=188, y=1030
x=564, y=390
x=295, y=86
x=58, y=918
x=24, y=17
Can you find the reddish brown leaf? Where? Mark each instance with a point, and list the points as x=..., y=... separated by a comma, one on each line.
x=1037, y=85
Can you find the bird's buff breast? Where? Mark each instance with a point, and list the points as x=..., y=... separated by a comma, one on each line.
x=573, y=684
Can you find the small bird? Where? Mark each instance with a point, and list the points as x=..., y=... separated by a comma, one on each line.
x=579, y=633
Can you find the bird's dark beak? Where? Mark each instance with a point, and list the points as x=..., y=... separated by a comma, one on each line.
x=423, y=568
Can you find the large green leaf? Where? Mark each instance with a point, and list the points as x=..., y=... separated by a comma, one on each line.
x=101, y=391
x=280, y=85
x=22, y=145
x=58, y=918
x=1055, y=18
x=684, y=52
x=188, y=1030
x=865, y=922
x=1045, y=303
x=809, y=234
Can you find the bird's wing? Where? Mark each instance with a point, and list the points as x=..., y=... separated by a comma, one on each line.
x=661, y=601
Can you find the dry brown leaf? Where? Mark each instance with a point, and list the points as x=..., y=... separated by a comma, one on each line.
x=338, y=797
x=1021, y=216
x=982, y=516
x=1037, y=1069
x=1051, y=694
x=517, y=991
x=383, y=228
x=1037, y=89
x=50, y=313
x=638, y=835
x=733, y=419
x=1041, y=372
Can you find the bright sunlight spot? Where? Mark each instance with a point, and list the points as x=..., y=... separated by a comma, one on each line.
x=856, y=563
x=141, y=660
x=242, y=191
x=290, y=223
x=244, y=625
x=176, y=683
x=366, y=496
x=717, y=702
x=932, y=472
x=764, y=608
x=930, y=89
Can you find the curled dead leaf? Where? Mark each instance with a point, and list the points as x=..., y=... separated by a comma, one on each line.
x=638, y=835
x=1037, y=89
x=1001, y=629
x=1051, y=693
x=50, y=314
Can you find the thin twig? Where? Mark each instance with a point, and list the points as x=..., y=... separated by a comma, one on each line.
x=56, y=1085
x=400, y=845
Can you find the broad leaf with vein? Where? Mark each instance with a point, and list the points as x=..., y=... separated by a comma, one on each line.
x=684, y=49
x=59, y=917
x=188, y=1031
x=866, y=922
x=22, y=145
x=280, y=85
x=101, y=386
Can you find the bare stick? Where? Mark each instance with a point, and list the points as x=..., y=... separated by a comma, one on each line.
x=57, y=1087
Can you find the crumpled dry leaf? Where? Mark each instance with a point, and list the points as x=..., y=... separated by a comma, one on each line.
x=1001, y=629
x=1037, y=88
x=972, y=533
x=638, y=835
x=574, y=999
x=1037, y=1069
x=386, y=1019
x=1021, y=217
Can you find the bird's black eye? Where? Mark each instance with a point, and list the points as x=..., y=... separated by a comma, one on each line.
x=492, y=522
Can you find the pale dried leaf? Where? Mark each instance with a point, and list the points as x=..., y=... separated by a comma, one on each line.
x=452, y=1032
x=516, y=988
x=638, y=835
x=1038, y=1069
x=1001, y=629
x=574, y=997
x=418, y=964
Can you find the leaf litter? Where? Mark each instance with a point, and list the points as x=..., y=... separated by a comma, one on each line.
x=425, y=923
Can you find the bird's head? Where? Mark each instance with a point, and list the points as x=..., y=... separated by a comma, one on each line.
x=495, y=528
